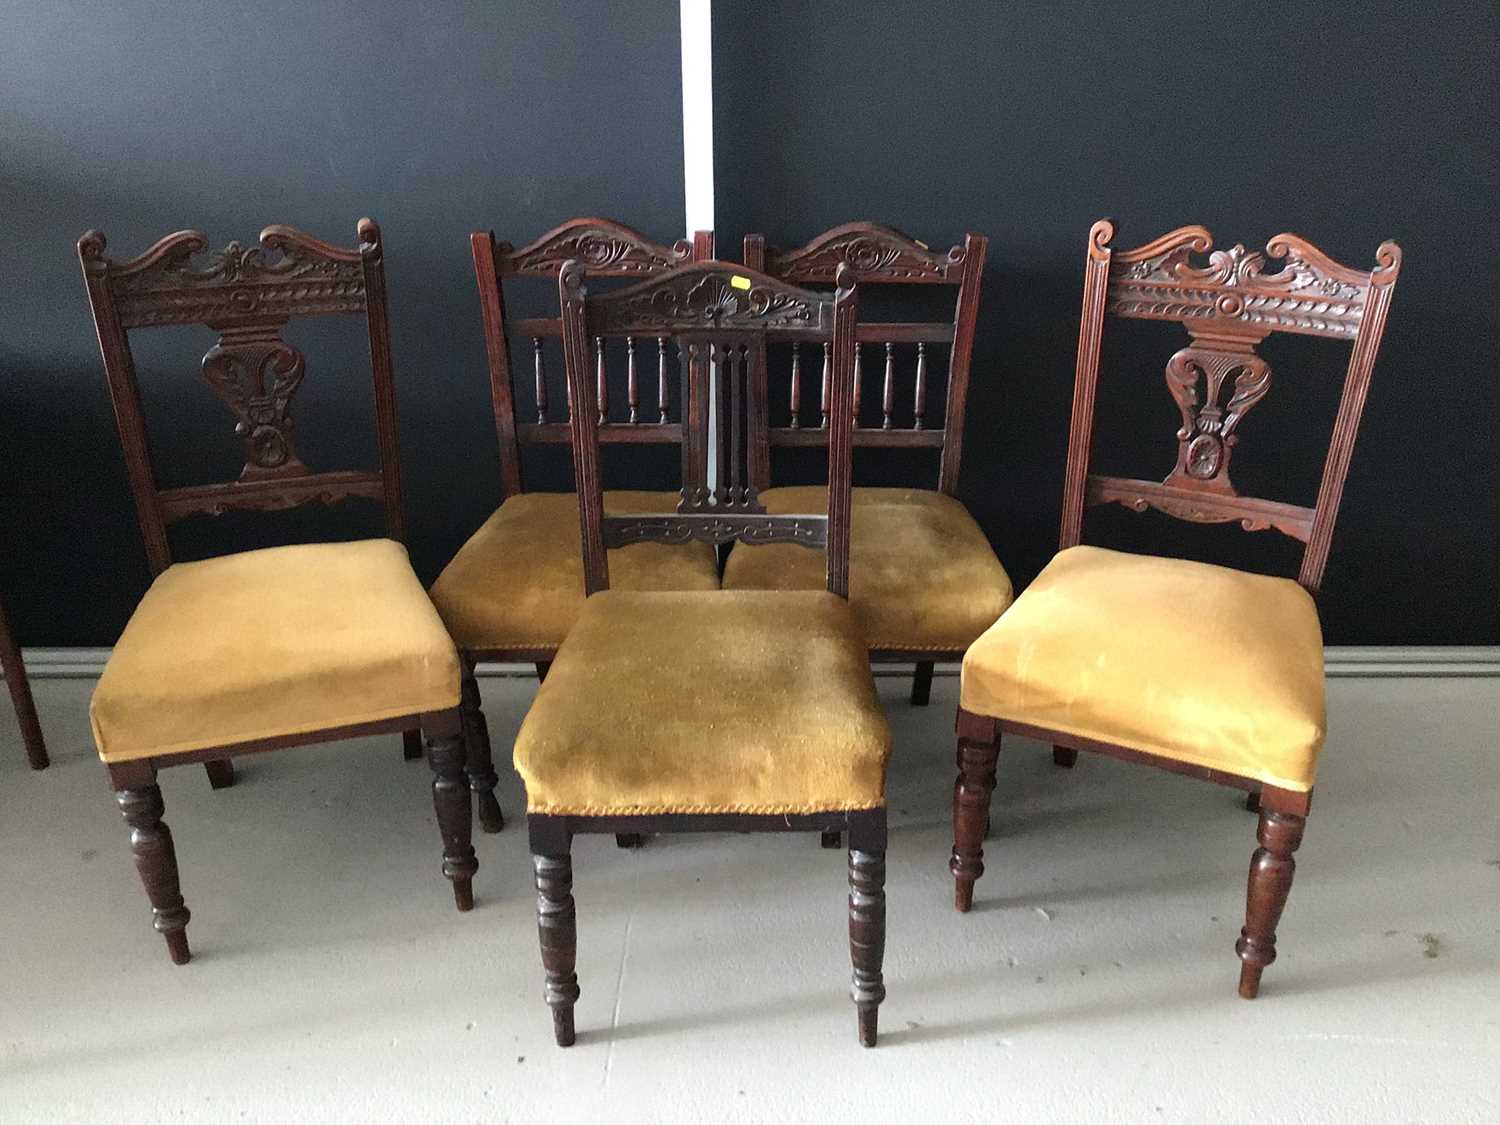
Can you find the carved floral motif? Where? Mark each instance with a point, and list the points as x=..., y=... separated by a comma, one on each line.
x=1207, y=436
x=256, y=373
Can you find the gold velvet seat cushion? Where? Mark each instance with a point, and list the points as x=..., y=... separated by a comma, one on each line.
x=518, y=582
x=1197, y=663
x=745, y=702
x=272, y=643
x=922, y=575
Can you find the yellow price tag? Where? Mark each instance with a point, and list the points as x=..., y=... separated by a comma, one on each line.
x=740, y=282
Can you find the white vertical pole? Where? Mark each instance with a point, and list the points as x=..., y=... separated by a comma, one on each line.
x=698, y=114
x=698, y=156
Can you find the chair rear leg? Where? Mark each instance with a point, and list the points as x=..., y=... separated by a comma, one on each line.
x=1063, y=757
x=20, y=695
x=1271, y=870
x=630, y=841
x=455, y=812
x=867, y=938
x=542, y=668
x=156, y=860
x=220, y=773
x=479, y=757
x=557, y=929
x=921, y=684
x=411, y=745
x=1252, y=800
x=831, y=840
x=972, y=790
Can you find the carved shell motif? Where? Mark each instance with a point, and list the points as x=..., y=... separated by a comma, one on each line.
x=715, y=301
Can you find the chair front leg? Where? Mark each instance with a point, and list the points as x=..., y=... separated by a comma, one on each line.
x=156, y=860
x=1271, y=870
x=971, y=815
x=455, y=812
x=557, y=929
x=480, y=758
x=867, y=938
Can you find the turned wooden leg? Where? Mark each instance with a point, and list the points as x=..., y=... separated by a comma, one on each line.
x=480, y=758
x=1252, y=800
x=220, y=773
x=557, y=927
x=971, y=816
x=867, y=938
x=1271, y=869
x=542, y=668
x=1062, y=756
x=921, y=684
x=455, y=814
x=156, y=860
x=630, y=841
x=411, y=745
x=20, y=695
x=832, y=840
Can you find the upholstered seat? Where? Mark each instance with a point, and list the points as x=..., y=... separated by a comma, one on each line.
x=747, y=702
x=1197, y=663
x=922, y=575
x=518, y=582
x=271, y=643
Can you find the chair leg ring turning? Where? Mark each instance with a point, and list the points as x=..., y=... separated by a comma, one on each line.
x=557, y=929
x=1271, y=870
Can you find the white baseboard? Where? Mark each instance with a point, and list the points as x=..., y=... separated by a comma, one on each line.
x=1339, y=660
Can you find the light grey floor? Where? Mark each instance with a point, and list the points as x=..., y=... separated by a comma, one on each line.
x=333, y=981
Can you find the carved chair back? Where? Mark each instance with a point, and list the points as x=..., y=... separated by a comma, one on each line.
x=608, y=249
x=247, y=294
x=1227, y=307
x=718, y=316
x=880, y=255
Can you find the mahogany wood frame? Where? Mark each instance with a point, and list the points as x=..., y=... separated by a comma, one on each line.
x=14, y=670
x=718, y=314
x=881, y=255
x=1227, y=308
x=611, y=249
x=247, y=294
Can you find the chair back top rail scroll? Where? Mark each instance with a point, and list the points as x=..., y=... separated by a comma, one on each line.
x=246, y=293
x=608, y=249
x=1227, y=306
x=717, y=315
x=881, y=255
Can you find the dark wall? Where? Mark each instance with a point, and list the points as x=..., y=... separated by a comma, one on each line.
x=1026, y=122
x=436, y=119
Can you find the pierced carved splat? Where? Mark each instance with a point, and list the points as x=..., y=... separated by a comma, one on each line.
x=1207, y=436
x=256, y=373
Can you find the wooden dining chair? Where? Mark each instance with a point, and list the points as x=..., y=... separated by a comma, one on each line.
x=271, y=648
x=709, y=712
x=513, y=591
x=925, y=581
x=20, y=695
x=1202, y=670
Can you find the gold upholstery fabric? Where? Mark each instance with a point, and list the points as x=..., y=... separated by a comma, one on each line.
x=745, y=702
x=922, y=575
x=1197, y=663
x=265, y=644
x=518, y=581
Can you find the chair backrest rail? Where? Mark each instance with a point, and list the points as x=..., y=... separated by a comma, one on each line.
x=247, y=293
x=1228, y=307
